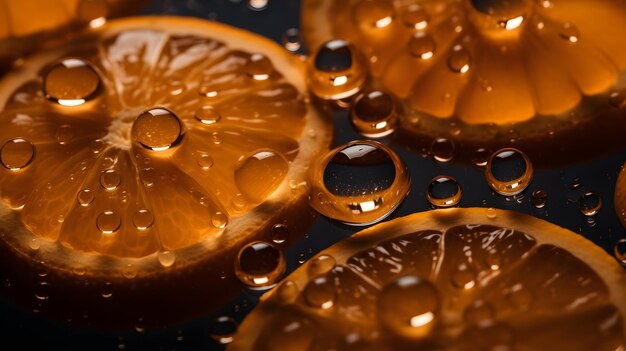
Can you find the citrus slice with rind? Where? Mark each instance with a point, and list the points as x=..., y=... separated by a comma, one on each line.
x=452, y=279
x=157, y=145
x=540, y=74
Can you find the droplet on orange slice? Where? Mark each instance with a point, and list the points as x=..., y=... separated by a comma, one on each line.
x=620, y=196
x=109, y=162
x=452, y=279
x=541, y=74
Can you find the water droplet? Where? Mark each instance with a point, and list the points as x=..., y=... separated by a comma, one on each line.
x=259, y=67
x=444, y=191
x=321, y=265
x=422, y=46
x=359, y=183
x=478, y=311
x=148, y=177
x=143, y=219
x=260, y=174
x=106, y=290
x=93, y=12
x=223, y=329
x=176, y=87
x=17, y=154
x=157, y=129
x=42, y=291
x=338, y=71
x=371, y=14
x=71, y=82
x=520, y=297
x=166, y=258
x=292, y=40
x=509, y=171
x=219, y=220
x=374, y=114
x=205, y=162
x=481, y=157
x=129, y=271
x=539, y=198
x=85, y=197
x=442, y=149
x=620, y=250
x=459, y=59
x=617, y=98
x=64, y=134
x=287, y=291
x=110, y=179
x=34, y=244
x=589, y=203
x=207, y=114
x=280, y=233
x=464, y=278
x=320, y=293
x=257, y=5
x=259, y=265
x=570, y=33
x=491, y=213
x=409, y=306
x=415, y=17
x=108, y=222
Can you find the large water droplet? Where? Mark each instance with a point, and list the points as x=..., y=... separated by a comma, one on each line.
x=259, y=264
x=444, y=191
x=371, y=14
x=374, y=114
x=422, y=46
x=360, y=183
x=260, y=174
x=320, y=293
x=71, y=82
x=589, y=203
x=108, y=222
x=223, y=329
x=509, y=171
x=409, y=306
x=17, y=154
x=157, y=129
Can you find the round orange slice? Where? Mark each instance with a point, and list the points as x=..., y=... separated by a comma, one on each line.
x=144, y=155
x=537, y=73
x=453, y=279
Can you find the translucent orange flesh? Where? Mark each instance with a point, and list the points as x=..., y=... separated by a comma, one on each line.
x=541, y=297
x=543, y=62
x=190, y=189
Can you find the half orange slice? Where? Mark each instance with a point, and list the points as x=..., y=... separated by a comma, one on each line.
x=454, y=279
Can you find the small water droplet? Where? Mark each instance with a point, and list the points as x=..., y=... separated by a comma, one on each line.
x=589, y=203
x=259, y=67
x=374, y=114
x=539, y=198
x=34, y=244
x=478, y=311
x=143, y=219
x=260, y=174
x=64, y=134
x=320, y=293
x=205, y=162
x=459, y=59
x=85, y=197
x=108, y=222
x=93, y=12
x=207, y=114
x=257, y=5
x=464, y=278
x=223, y=329
x=491, y=213
x=259, y=265
x=292, y=40
x=508, y=172
x=372, y=14
x=219, y=220
x=42, y=291
x=422, y=46
x=71, y=82
x=129, y=271
x=415, y=17
x=520, y=297
x=110, y=179
x=620, y=250
x=444, y=191
x=157, y=129
x=17, y=153
x=280, y=233
x=442, y=149
x=321, y=265
x=287, y=291
x=148, y=177
x=481, y=157
x=106, y=290
x=617, y=98
x=409, y=306
x=166, y=258
x=570, y=33
x=338, y=71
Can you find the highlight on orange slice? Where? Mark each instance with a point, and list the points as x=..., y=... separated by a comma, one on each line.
x=483, y=72
x=143, y=156
x=24, y=25
x=451, y=279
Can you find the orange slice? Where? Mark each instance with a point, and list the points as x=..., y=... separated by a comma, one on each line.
x=146, y=153
x=453, y=279
x=490, y=72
